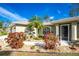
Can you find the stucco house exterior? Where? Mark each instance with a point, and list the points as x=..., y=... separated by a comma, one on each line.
x=66, y=29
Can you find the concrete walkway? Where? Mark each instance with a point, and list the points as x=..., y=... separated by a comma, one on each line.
x=64, y=43
x=3, y=37
x=2, y=41
x=38, y=43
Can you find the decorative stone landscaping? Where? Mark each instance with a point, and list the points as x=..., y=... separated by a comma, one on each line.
x=33, y=48
x=37, y=47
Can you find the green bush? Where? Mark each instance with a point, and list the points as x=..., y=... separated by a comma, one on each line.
x=37, y=38
x=0, y=33
x=3, y=33
x=33, y=47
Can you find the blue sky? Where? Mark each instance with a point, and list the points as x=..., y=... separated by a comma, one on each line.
x=24, y=11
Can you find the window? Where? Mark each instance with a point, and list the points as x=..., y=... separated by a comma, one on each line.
x=47, y=29
x=77, y=30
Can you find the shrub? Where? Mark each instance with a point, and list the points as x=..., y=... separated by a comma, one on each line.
x=50, y=40
x=38, y=50
x=15, y=40
x=33, y=47
x=38, y=38
x=0, y=47
x=4, y=33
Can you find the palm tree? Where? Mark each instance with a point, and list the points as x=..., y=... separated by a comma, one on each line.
x=36, y=24
x=74, y=11
x=1, y=27
x=1, y=24
x=47, y=18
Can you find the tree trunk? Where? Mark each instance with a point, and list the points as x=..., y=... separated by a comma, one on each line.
x=36, y=32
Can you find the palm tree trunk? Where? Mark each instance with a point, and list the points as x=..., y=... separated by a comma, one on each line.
x=36, y=32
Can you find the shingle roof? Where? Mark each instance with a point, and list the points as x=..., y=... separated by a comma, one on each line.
x=65, y=20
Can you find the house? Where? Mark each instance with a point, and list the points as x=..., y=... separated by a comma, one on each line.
x=66, y=29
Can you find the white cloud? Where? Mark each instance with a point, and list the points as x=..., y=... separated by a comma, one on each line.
x=7, y=14
x=59, y=12
x=52, y=17
x=4, y=16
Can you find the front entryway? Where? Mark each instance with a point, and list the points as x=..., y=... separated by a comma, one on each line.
x=65, y=32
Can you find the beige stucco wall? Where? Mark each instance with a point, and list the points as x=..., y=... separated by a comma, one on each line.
x=20, y=28
x=53, y=29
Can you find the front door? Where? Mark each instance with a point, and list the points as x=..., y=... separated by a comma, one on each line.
x=65, y=32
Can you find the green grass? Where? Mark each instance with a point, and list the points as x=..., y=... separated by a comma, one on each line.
x=3, y=33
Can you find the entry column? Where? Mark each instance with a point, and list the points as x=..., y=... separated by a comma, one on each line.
x=74, y=31
x=57, y=30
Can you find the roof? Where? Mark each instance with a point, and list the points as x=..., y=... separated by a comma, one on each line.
x=47, y=23
x=65, y=20
x=26, y=23
x=21, y=22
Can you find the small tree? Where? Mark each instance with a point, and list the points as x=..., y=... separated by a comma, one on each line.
x=36, y=23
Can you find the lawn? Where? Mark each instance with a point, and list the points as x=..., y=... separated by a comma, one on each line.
x=20, y=53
